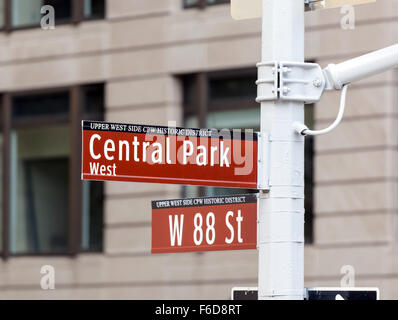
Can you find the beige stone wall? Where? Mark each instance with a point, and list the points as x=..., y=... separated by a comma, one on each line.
x=138, y=51
x=355, y=166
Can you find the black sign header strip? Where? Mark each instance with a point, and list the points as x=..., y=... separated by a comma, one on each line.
x=203, y=202
x=169, y=131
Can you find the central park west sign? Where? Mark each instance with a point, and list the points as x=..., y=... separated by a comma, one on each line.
x=143, y=153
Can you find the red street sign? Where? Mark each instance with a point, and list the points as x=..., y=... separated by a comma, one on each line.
x=141, y=153
x=204, y=224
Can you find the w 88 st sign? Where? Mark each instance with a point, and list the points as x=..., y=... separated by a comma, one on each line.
x=204, y=224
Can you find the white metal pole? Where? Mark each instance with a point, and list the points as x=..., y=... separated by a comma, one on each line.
x=281, y=211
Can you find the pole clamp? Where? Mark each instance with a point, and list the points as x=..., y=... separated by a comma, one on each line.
x=290, y=81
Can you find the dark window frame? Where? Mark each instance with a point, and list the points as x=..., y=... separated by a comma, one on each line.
x=73, y=120
x=201, y=105
x=77, y=16
x=202, y=4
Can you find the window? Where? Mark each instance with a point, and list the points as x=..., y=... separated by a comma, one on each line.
x=25, y=13
x=227, y=100
x=202, y=3
x=40, y=190
x=16, y=14
x=94, y=9
x=63, y=9
x=2, y=15
x=50, y=210
x=39, y=106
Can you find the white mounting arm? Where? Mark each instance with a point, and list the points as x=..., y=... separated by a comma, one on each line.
x=337, y=75
x=341, y=75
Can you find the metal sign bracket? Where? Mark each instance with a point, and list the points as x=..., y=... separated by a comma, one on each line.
x=290, y=81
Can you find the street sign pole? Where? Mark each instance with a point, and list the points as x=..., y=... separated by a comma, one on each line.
x=281, y=209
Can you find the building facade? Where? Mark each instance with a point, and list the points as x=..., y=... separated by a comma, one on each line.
x=151, y=62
